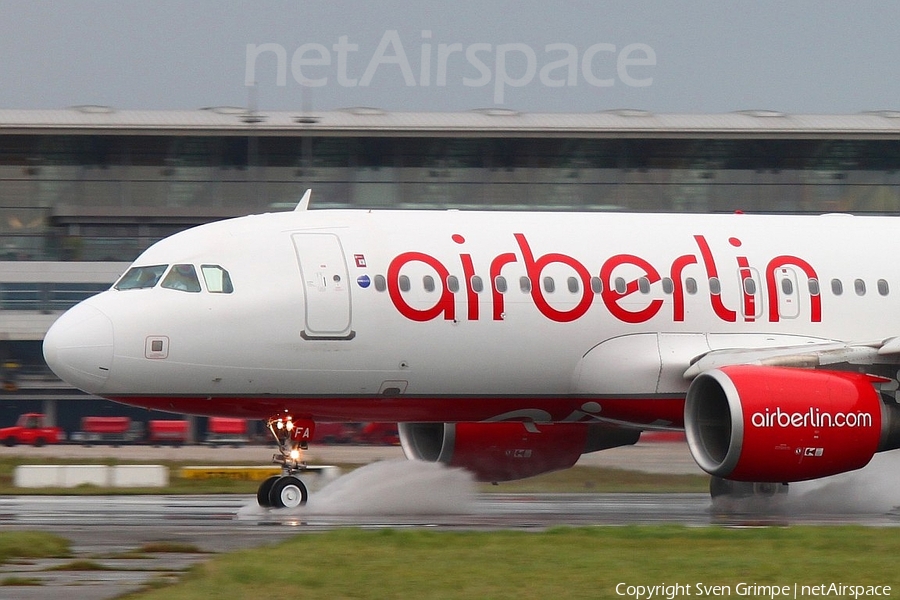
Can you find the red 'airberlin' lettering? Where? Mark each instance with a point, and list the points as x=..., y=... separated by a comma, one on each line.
x=496, y=296
x=678, y=266
x=612, y=298
x=468, y=274
x=630, y=304
x=445, y=304
x=723, y=313
x=778, y=262
x=534, y=268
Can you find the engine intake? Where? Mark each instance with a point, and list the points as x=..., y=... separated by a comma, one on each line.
x=507, y=451
x=756, y=423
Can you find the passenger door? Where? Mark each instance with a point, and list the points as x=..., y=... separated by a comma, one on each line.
x=326, y=286
x=788, y=293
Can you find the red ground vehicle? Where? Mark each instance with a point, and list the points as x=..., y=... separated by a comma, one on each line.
x=222, y=431
x=335, y=433
x=30, y=429
x=379, y=434
x=172, y=432
x=108, y=430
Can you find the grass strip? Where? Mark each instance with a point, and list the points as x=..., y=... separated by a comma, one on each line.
x=82, y=564
x=15, y=545
x=559, y=563
x=21, y=581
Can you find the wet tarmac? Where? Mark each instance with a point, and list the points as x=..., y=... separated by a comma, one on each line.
x=109, y=530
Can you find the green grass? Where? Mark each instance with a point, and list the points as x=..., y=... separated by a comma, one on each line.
x=20, y=581
x=150, y=548
x=560, y=563
x=82, y=564
x=16, y=545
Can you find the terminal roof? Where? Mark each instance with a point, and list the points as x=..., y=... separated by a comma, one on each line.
x=491, y=122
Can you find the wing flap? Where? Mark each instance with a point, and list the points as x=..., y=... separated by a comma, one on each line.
x=811, y=356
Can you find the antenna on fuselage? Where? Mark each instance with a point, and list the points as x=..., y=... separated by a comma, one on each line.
x=304, y=201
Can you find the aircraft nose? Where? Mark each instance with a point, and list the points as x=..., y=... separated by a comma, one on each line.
x=79, y=347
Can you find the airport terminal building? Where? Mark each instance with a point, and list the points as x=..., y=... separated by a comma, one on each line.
x=84, y=190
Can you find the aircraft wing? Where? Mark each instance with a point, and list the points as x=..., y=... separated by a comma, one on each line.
x=808, y=356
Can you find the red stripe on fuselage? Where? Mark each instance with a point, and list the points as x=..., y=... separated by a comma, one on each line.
x=640, y=412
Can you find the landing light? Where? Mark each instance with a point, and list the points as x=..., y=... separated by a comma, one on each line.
x=295, y=455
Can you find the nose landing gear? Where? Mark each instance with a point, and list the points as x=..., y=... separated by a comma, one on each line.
x=287, y=490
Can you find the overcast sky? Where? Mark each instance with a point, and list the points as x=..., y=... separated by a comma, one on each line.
x=693, y=56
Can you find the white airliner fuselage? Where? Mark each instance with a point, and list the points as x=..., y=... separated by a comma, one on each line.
x=455, y=316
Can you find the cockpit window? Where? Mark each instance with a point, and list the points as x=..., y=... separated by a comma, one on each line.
x=138, y=278
x=217, y=279
x=182, y=277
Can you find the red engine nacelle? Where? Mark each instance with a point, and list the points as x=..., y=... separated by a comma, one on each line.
x=774, y=424
x=509, y=450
